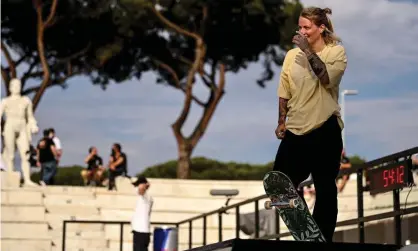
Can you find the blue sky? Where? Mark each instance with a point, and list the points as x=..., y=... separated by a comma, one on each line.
x=379, y=36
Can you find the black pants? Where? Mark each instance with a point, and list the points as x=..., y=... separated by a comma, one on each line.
x=112, y=176
x=319, y=153
x=141, y=241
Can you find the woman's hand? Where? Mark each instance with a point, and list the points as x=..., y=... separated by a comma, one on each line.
x=280, y=131
x=301, y=41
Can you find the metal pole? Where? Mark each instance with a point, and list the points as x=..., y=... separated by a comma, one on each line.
x=220, y=226
x=343, y=94
x=121, y=237
x=64, y=233
x=343, y=116
x=397, y=220
x=277, y=224
x=257, y=220
x=237, y=222
x=360, y=205
x=204, y=231
x=190, y=234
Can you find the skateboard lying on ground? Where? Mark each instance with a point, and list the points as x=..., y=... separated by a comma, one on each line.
x=291, y=207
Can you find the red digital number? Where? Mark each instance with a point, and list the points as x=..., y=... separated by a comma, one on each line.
x=391, y=174
x=397, y=175
x=385, y=177
x=400, y=175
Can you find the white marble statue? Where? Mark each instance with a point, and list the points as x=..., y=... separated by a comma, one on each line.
x=19, y=126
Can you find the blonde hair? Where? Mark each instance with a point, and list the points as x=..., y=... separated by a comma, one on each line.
x=319, y=16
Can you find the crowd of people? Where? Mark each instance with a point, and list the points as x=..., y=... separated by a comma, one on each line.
x=48, y=152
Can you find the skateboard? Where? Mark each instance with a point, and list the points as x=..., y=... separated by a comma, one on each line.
x=291, y=207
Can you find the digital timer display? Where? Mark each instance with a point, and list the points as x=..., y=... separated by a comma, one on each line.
x=393, y=176
x=390, y=177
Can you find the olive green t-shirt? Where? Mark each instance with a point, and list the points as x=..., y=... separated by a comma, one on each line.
x=310, y=103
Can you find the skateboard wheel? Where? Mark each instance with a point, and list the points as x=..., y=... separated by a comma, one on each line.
x=267, y=205
x=293, y=203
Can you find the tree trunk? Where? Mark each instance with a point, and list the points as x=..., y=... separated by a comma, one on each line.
x=184, y=163
x=186, y=145
x=41, y=26
x=11, y=73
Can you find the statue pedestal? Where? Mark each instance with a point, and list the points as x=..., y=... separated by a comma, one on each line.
x=10, y=179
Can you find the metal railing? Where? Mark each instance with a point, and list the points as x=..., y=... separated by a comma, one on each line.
x=360, y=220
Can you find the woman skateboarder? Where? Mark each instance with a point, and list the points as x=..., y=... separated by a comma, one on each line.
x=310, y=123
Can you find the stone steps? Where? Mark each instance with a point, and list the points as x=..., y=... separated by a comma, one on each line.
x=25, y=244
x=21, y=197
x=25, y=213
x=24, y=230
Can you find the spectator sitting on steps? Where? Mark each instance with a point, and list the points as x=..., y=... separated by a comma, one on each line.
x=94, y=171
x=117, y=164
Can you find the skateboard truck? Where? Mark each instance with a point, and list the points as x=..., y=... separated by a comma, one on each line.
x=280, y=204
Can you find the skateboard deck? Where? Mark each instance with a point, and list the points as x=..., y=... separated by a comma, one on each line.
x=291, y=208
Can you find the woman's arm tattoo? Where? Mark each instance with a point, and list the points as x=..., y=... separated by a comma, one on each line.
x=318, y=67
x=282, y=110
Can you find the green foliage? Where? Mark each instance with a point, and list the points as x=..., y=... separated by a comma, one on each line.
x=201, y=169
x=66, y=176
x=119, y=40
x=357, y=160
x=228, y=29
x=81, y=36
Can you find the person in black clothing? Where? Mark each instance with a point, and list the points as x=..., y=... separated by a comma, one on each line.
x=32, y=155
x=94, y=171
x=47, y=159
x=117, y=164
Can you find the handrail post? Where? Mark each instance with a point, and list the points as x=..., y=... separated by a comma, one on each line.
x=64, y=233
x=121, y=237
x=257, y=220
x=178, y=231
x=360, y=208
x=397, y=219
x=190, y=234
x=204, y=230
x=237, y=222
x=277, y=224
x=220, y=226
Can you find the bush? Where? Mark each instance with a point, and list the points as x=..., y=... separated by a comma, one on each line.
x=201, y=169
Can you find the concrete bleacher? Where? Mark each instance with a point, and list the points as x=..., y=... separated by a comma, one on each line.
x=31, y=218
